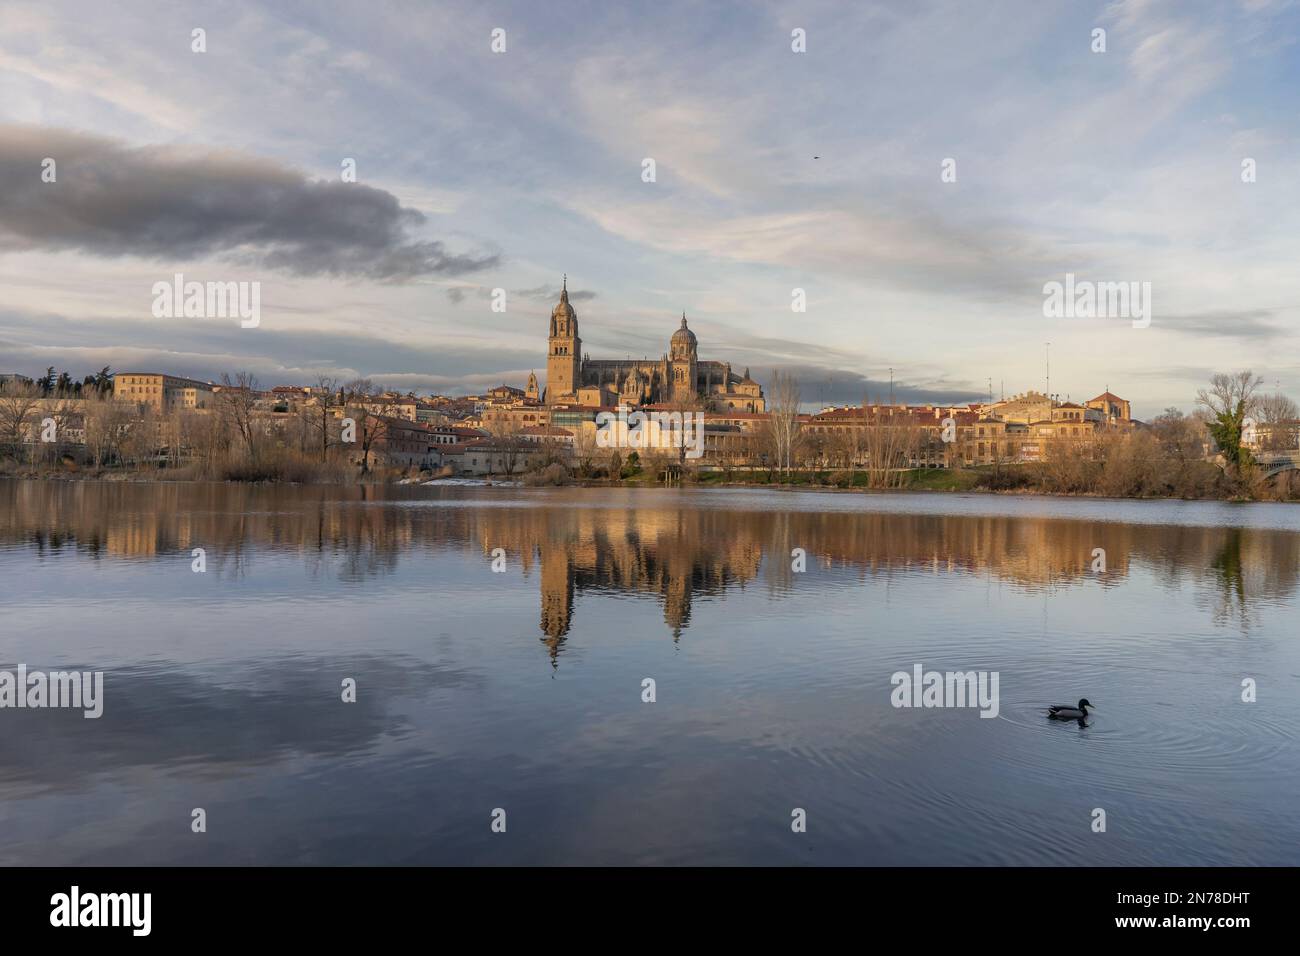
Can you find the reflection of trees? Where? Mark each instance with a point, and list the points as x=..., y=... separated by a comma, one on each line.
x=1249, y=566
x=231, y=522
x=674, y=550
x=1231, y=577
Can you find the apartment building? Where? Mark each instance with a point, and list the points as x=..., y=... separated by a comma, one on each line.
x=164, y=393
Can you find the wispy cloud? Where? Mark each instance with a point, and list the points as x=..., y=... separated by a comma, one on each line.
x=1245, y=324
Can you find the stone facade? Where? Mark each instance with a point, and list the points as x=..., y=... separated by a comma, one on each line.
x=163, y=392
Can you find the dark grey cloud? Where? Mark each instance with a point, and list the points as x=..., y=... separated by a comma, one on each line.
x=172, y=204
x=30, y=342
x=825, y=385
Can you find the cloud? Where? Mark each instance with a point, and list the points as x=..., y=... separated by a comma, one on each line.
x=172, y=203
x=285, y=711
x=551, y=293
x=29, y=342
x=1239, y=324
x=548, y=294
x=826, y=385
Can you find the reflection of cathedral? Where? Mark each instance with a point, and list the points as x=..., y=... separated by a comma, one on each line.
x=680, y=376
x=677, y=557
x=671, y=557
x=557, y=597
x=673, y=552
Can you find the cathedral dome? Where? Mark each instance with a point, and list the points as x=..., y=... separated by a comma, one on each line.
x=683, y=339
x=564, y=320
x=562, y=308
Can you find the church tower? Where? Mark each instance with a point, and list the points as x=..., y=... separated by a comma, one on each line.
x=564, y=354
x=682, y=358
x=532, y=392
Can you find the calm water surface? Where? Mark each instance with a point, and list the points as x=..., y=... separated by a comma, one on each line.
x=522, y=689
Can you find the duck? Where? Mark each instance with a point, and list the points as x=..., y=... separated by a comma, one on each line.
x=1066, y=712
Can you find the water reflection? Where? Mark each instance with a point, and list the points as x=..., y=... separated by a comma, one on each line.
x=523, y=689
x=676, y=551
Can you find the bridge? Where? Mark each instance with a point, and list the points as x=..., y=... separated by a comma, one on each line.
x=1275, y=462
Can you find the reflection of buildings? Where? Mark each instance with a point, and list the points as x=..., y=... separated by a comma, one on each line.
x=557, y=597
x=674, y=556
x=678, y=556
x=667, y=548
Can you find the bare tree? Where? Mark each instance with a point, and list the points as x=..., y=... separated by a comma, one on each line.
x=1182, y=437
x=506, y=436
x=106, y=422
x=170, y=436
x=326, y=386
x=206, y=438
x=1230, y=400
x=891, y=441
x=1278, y=414
x=584, y=449
x=19, y=403
x=683, y=405
x=139, y=440
x=784, y=417
x=1181, y=441
x=237, y=400
x=763, y=447
x=360, y=398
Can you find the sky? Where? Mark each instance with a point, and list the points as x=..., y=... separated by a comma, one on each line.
x=775, y=170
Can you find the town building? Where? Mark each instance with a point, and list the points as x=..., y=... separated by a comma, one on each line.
x=164, y=393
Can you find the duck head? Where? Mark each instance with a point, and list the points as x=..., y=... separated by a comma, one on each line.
x=1084, y=704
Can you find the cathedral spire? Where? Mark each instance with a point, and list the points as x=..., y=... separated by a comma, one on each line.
x=683, y=320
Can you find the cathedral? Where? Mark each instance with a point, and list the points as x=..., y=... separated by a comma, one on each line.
x=573, y=378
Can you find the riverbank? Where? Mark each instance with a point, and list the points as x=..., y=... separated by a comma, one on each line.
x=921, y=480
x=1205, y=483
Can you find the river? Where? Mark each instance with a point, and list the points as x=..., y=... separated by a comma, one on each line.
x=501, y=642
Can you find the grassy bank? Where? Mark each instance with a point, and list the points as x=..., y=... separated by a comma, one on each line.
x=918, y=479
x=1200, y=481
x=276, y=466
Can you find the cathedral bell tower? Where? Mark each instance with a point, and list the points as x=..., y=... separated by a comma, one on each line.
x=564, y=354
x=682, y=351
